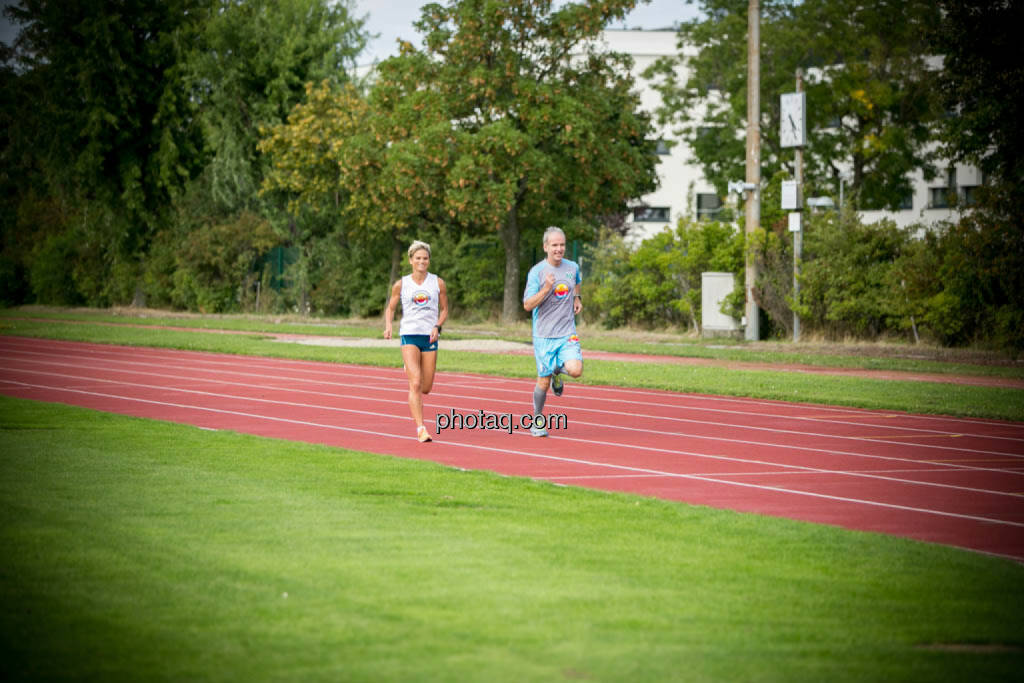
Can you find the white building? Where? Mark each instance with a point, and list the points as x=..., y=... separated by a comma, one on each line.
x=683, y=190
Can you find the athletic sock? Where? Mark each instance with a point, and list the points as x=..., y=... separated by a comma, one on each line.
x=539, y=397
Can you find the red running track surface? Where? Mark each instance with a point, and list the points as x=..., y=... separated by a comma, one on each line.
x=940, y=479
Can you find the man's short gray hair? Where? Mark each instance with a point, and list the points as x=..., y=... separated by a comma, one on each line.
x=416, y=246
x=553, y=230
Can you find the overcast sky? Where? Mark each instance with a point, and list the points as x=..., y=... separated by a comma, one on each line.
x=392, y=19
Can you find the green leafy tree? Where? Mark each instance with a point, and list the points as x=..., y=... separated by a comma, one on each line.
x=332, y=158
x=871, y=91
x=107, y=86
x=250, y=66
x=982, y=76
x=99, y=135
x=983, y=254
x=511, y=118
x=135, y=104
x=507, y=119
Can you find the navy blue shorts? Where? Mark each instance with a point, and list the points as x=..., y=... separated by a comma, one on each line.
x=420, y=341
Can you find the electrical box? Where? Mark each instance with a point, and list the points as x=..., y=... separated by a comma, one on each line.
x=791, y=200
x=714, y=287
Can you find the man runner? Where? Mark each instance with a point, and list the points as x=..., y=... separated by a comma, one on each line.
x=552, y=294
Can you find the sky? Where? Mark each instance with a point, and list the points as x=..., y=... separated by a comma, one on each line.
x=393, y=19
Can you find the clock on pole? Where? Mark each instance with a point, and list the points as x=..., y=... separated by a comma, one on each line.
x=793, y=124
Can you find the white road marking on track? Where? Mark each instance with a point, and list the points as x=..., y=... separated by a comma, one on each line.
x=543, y=456
x=621, y=415
x=789, y=467
x=399, y=377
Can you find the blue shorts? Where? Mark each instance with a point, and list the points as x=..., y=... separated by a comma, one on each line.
x=552, y=352
x=420, y=341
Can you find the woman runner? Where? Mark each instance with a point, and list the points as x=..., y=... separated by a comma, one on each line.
x=424, y=309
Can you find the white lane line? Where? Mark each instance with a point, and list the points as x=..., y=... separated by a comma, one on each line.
x=952, y=465
x=616, y=413
x=676, y=452
x=399, y=377
x=543, y=456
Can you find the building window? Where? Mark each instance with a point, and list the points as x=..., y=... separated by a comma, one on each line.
x=661, y=147
x=942, y=197
x=970, y=195
x=708, y=206
x=650, y=214
x=938, y=197
x=907, y=203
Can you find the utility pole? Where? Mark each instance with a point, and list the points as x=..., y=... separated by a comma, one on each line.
x=753, y=208
x=798, y=236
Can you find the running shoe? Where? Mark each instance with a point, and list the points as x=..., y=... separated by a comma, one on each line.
x=538, y=431
x=557, y=385
x=422, y=434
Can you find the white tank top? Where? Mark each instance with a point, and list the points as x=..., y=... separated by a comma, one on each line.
x=419, y=305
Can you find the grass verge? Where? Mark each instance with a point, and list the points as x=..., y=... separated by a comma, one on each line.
x=902, y=358
x=140, y=550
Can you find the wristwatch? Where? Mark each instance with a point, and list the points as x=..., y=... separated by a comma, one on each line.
x=438, y=328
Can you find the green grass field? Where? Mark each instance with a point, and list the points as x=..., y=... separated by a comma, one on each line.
x=139, y=550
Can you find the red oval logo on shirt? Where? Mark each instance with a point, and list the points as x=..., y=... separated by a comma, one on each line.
x=420, y=298
x=561, y=290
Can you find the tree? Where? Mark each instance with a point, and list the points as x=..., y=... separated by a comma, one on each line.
x=106, y=122
x=122, y=107
x=869, y=82
x=982, y=76
x=333, y=157
x=511, y=117
x=250, y=67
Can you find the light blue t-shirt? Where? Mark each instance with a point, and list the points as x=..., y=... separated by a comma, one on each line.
x=554, y=316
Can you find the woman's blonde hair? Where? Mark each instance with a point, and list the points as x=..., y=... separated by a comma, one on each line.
x=416, y=246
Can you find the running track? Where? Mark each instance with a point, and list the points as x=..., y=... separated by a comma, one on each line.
x=940, y=479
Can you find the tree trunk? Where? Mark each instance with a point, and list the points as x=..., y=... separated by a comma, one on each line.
x=512, y=300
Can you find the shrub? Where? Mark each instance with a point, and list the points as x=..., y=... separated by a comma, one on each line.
x=214, y=267
x=658, y=283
